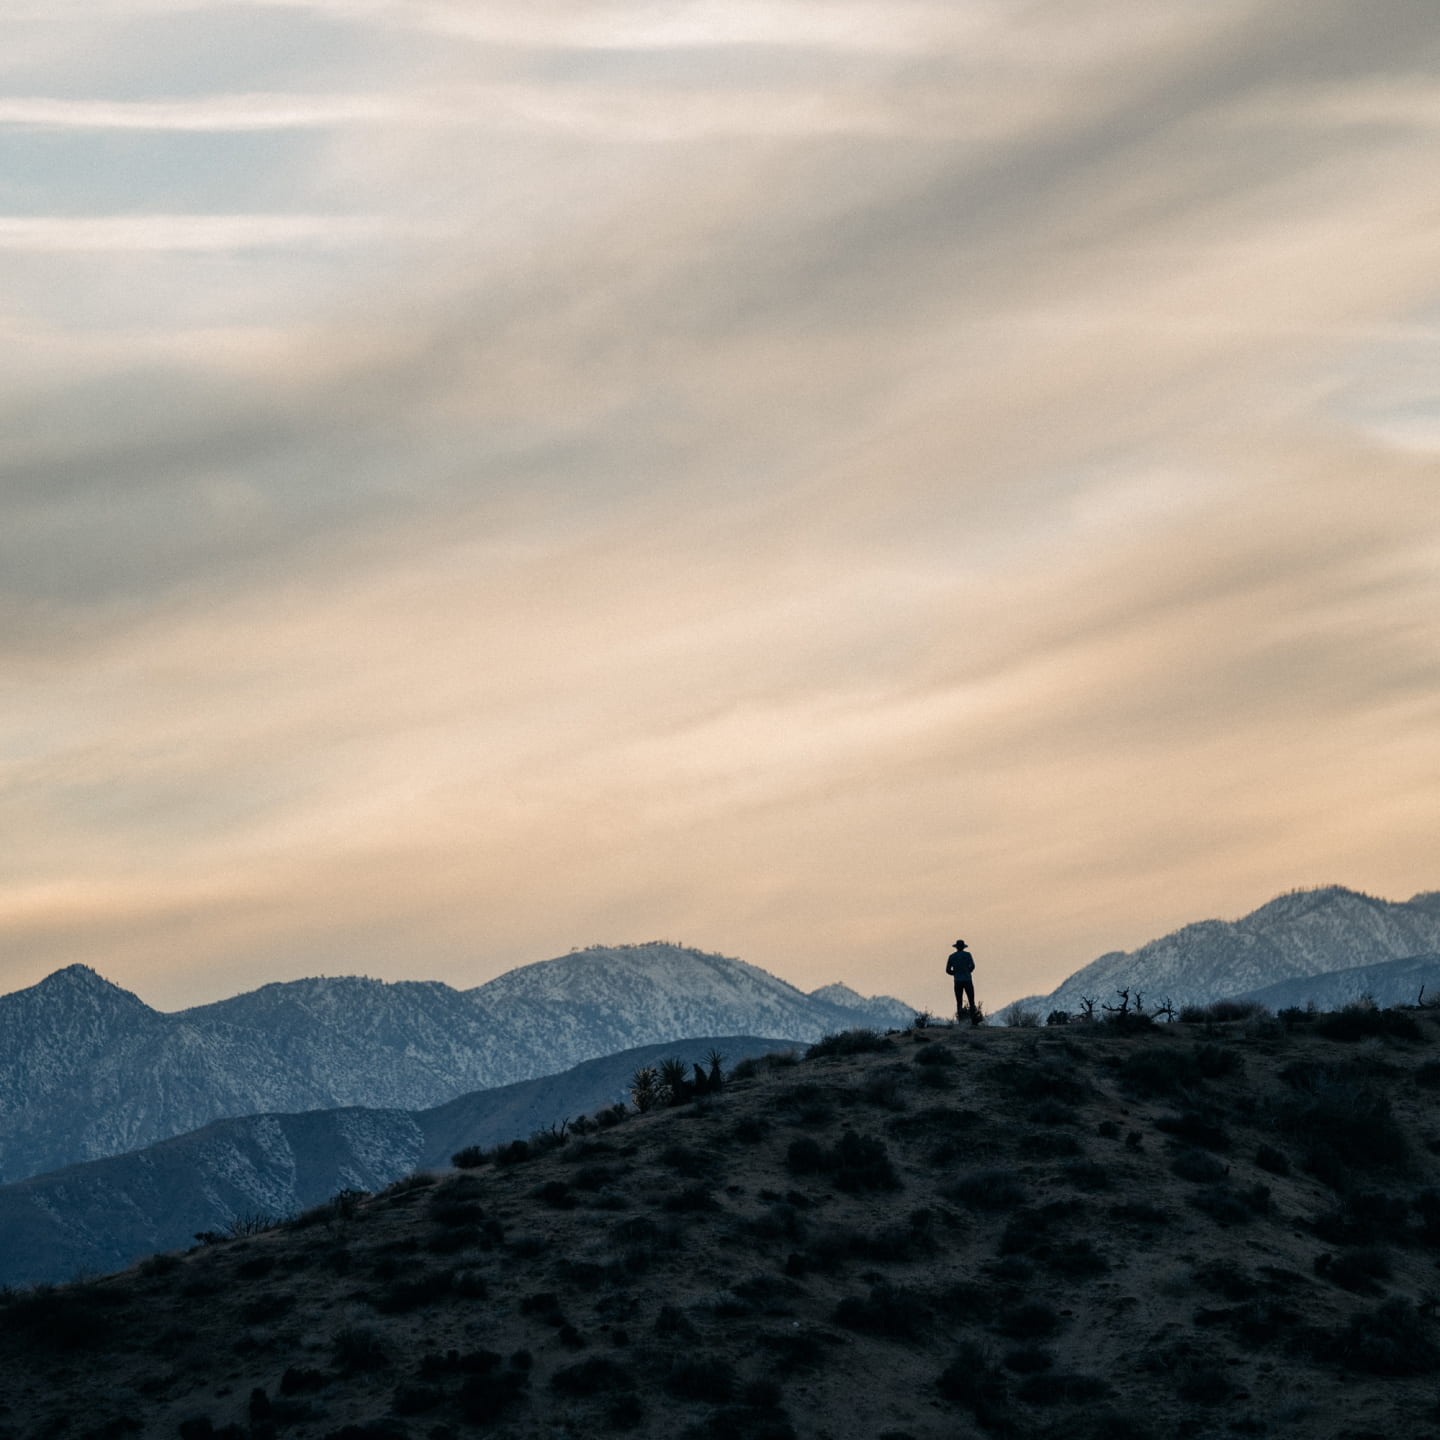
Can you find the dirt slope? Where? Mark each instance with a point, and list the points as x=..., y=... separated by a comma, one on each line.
x=1187, y=1231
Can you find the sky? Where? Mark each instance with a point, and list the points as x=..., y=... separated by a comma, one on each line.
x=809, y=480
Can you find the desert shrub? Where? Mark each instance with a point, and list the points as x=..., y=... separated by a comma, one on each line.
x=1074, y=1259
x=1202, y=1383
x=860, y=1041
x=1139, y=1212
x=1032, y=1320
x=357, y=1348
x=435, y=1366
x=1363, y=1217
x=338, y=1209
x=1089, y=1175
x=691, y=1200
x=595, y=1376
x=702, y=1378
x=1362, y=1022
x=796, y=1350
x=885, y=1087
x=484, y=1399
x=862, y=1163
x=76, y=1318
x=987, y=1190
x=298, y=1380
x=1030, y=1360
x=1427, y=1206
x=1359, y=1270
x=1219, y=1012
x=1198, y=1167
x=1020, y=1017
x=855, y=1162
x=415, y=1399
x=1392, y=1339
x=1047, y=1080
x=1347, y=1128
x=264, y=1308
x=156, y=1265
x=974, y=1381
x=684, y=1160
x=1225, y=1205
x=1058, y=1017
x=1267, y=1157
x=1158, y=1072
x=470, y=1158
x=937, y=1056
x=890, y=1311
x=1128, y=1022
x=624, y=1411
x=557, y=1194
x=517, y=1152
x=807, y=1104
x=1054, y=1387
x=403, y=1296
x=1194, y=1128
x=457, y=1188
x=596, y=1177
x=1052, y=1112
x=1049, y=1145
x=544, y=1305
x=749, y=1130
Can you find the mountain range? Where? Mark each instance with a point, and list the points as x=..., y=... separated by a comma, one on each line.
x=1295, y=937
x=88, y=1070
x=102, y=1215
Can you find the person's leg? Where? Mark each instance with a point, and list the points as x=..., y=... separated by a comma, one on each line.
x=966, y=987
x=960, y=999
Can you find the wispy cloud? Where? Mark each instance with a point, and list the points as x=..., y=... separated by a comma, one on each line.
x=803, y=474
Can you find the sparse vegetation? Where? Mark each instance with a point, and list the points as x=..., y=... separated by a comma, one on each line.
x=964, y=1212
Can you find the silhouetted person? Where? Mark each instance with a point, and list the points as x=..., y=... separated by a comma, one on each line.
x=961, y=964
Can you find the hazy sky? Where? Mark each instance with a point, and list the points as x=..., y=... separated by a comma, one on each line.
x=806, y=478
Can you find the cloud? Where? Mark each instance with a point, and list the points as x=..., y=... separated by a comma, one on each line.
x=941, y=478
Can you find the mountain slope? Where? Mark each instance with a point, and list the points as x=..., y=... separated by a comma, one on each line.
x=105, y=1214
x=1392, y=982
x=1304, y=933
x=87, y=1070
x=1097, y=1234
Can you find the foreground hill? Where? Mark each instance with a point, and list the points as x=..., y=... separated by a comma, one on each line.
x=1090, y=1232
x=89, y=1070
x=105, y=1214
x=1304, y=933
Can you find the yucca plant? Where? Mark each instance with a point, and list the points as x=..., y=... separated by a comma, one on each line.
x=645, y=1087
x=674, y=1080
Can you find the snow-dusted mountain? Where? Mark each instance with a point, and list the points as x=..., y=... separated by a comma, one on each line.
x=1307, y=932
x=88, y=1070
x=103, y=1215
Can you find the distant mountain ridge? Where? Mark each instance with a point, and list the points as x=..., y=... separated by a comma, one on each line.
x=105, y=1214
x=1297, y=935
x=1391, y=982
x=88, y=1070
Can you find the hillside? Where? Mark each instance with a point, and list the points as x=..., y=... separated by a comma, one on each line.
x=1392, y=982
x=1307, y=932
x=88, y=1070
x=1182, y=1231
x=102, y=1215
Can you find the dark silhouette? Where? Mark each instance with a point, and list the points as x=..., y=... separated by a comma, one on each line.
x=961, y=965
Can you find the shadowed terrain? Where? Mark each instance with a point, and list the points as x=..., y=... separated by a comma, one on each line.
x=1109, y=1230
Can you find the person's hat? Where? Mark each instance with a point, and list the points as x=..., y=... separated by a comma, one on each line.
x=959, y=944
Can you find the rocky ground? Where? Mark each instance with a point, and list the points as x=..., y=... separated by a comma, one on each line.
x=1108, y=1230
